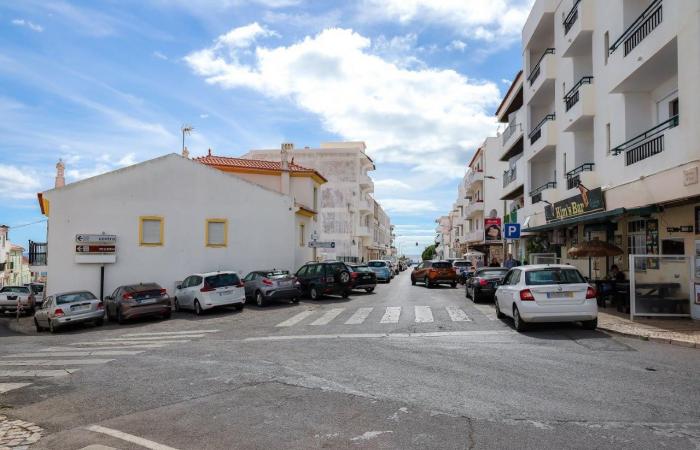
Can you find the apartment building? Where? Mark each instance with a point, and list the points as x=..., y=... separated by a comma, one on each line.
x=349, y=215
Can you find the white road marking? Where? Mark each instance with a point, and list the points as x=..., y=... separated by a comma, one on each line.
x=457, y=314
x=295, y=319
x=391, y=314
x=5, y=387
x=37, y=373
x=120, y=346
x=359, y=316
x=488, y=310
x=168, y=333
x=53, y=362
x=75, y=353
x=105, y=342
x=153, y=338
x=475, y=333
x=328, y=316
x=423, y=314
x=129, y=438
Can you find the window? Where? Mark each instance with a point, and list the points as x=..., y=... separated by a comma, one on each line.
x=316, y=199
x=150, y=230
x=607, y=137
x=606, y=46
x=673, y=246
x=553, y=276
x=216, y=233
x=637, y=241
x=222, y=280
x=673, y=108
x=301, y=235
x=302, y=271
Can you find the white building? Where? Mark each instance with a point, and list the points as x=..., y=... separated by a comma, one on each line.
x=172, y=217
x=349, y=215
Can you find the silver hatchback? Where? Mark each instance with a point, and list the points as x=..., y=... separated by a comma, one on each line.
x=267, y=285
x=60, y=310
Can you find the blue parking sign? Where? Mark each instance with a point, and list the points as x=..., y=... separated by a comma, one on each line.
x=512, y=230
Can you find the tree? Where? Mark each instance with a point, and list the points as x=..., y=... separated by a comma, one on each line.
x=429, y=252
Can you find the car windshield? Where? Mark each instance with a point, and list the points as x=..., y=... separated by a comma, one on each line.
x=462, y=264
x=222, y=280
x=553, y=276
x=361, y=269
x=376, y=264
x=442, y=265
x=491, y=273
x=142, y=287
x=277, y=274
x=37, y=288
x=15, y=289
x=74, y=297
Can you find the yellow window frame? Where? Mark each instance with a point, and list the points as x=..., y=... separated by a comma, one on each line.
x=161, y=220
x=206, y=233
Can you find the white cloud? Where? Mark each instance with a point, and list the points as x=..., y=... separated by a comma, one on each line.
x=25, y=23
x=474, y=19
x=426, y=117
x=457, y=45
x=243, y=37
x=391, y=184
x=159, y=55
x=204, y=116
x=17, y=183
x=404, y=206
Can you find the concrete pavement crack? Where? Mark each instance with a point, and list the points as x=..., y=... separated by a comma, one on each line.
x=471, y=441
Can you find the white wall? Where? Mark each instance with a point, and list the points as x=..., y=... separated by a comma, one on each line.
x=184, y=193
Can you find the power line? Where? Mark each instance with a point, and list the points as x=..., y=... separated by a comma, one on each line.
x=28, y=224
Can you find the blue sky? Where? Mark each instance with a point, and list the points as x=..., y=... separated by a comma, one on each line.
x=103, y=84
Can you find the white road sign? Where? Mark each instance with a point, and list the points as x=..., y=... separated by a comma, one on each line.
x=96, y=238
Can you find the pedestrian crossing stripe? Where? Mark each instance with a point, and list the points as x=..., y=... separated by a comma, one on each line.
x=390, y=315
x=7, y=387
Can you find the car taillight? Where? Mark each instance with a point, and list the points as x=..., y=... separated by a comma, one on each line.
x=590, y=293
x=58, y=312
x=354, y=275
x=100, y=305
x=483, y=282
x=206, y=288
x=163, y=292
x=267, y=281
x=526, y=295
x=127, y=297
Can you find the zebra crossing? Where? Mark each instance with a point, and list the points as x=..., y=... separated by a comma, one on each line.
x=386, y=315
x=22, y=369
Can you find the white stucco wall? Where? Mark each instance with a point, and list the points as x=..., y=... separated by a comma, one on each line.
x=184, y=193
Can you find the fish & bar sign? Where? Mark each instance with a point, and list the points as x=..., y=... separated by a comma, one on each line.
x=588, y=201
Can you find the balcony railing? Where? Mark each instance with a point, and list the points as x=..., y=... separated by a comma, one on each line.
x=571, y=97
x=536, y=194
x=647, y=144
x=573, y=177
x=640, y=28
x=37, y=253
x=535, y=72
x=509, y=176
x=572, y=17
x=537, y=131
x=509, y=131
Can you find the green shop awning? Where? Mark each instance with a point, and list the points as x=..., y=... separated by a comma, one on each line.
x=598, y=217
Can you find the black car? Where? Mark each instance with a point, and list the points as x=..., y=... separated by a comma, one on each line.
x=484, y=283
x=317, y=279
x=362, y=277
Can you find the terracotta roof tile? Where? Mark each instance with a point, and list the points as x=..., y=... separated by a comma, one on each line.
x=212, y=160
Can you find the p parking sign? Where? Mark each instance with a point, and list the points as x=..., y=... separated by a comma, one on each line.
x=512, y=231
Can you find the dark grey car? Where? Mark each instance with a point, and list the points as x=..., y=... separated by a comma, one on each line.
x=264, y=286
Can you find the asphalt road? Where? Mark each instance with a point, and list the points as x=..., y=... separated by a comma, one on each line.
x=405, y=367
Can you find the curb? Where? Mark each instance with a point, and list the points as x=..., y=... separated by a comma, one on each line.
x=657, y=339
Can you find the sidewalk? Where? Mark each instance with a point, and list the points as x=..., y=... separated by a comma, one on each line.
x=683, y=332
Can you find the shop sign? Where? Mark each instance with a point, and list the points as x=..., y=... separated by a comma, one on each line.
x=681, y=229
x=95, y=248
x=492, y=229
x=588, y=201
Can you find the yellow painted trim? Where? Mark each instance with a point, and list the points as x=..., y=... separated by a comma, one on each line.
x=162, y=236
x=305, y=212
x=206, y=233
x=309, y=174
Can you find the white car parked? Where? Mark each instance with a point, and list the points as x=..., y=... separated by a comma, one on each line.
x=546, y=293
x=203, y=291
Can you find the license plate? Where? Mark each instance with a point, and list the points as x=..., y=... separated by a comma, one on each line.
x=80, y=308
x=560, y=294
x=285, y=283
x=223, y=293
x=147, y=301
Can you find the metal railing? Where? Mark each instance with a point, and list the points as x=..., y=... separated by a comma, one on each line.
x=572, y=97
x=509, y=131
x=571, y=18
x=537, y=131
x=509, y=175
x=535, y=72
x=640, y=28
x=647, y=144
x=536, y=194
x=573, y=177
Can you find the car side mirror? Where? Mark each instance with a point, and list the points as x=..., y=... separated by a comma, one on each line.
x=179, y=286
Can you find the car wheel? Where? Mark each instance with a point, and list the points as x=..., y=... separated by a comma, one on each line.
x=520, y=325
x=99, y=322
x=345, y=294
x=198, y=308
x=454, y=285
x=167, y=315
x=413, y=281
x=120, y=318
x=590, y=324
x=313, y=293
x=52, y=327
x=475, y=297
x=368, y=290
x=38, y=327
x=177, y=305
x=260, y=300
x=499, y=314
x=427, y=282
x=295, y=300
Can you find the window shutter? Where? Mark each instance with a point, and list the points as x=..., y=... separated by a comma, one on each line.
x=217, y=233
x=151, y=231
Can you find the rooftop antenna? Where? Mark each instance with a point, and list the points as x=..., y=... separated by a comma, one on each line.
x=186, y=131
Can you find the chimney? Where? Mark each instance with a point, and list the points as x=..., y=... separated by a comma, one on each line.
x=185, y=152
x=284, y=155
x=285, y=180
x=60, y=178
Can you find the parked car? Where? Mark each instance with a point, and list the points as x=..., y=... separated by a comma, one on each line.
x=483, y=284
x=138, y=300
x=402, y=265
x=462, y=267
x=38, y=289
x=317, y=279
x=68, y=308
x=546, y=293
x=11, y=295
x=432, y=273
x=394, y=267
x=381, y=269
x=264, y=286
x=202, y=291
x=362, y=277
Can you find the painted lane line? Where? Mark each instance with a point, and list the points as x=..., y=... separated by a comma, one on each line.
x=37, y=373
x=154, y=338
x=170, y=333
x=128, y=343
x=53, y=362
x=328, y=316
x=108, y=347
x=488, y=311
x=391, y=314
x=457, y=314
x=5, y=387
x=129, y=438
x=476, y=333
x=295, y=319
x=423, y=314
x=359, y=316
x=75, y=353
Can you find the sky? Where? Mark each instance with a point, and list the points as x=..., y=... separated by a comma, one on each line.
x=105, y=84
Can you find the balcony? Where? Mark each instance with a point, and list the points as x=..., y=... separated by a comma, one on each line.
x=364, y=232
x=474, y=207
x=512, y=135
x=542, y=75
x=365, y=206
x=640, y=28
x=536, y=194
x=473, y=180
x=539, y=22
x=579, y=104
x=647, y=144
x=544, y=135
x=578, y=29
x=38, y=253
x=474, y=236
x=510, y=175
x=573, y=177
x=366, y=182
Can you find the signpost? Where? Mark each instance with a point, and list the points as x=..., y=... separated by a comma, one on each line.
x=96, y=249
x=512, y=231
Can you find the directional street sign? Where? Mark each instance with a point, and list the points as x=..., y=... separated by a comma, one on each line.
x=95, y=238
x=512, y=231
x=95, y=248
x=318, y=244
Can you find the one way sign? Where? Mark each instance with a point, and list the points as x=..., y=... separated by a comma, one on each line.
x=512, y=231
